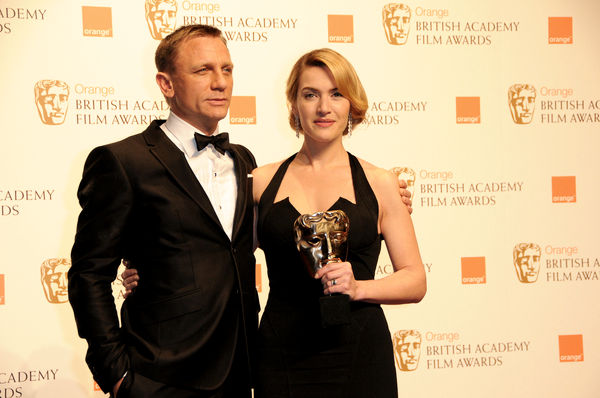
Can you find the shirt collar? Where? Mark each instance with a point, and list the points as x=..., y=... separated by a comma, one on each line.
x=184, y=133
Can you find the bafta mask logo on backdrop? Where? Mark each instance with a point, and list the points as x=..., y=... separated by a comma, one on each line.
x=468, y=110
x=564, y=189
x=242, y=110
x=473, y=270
x=521, y=101
x=396, y=23
x=570, y=348
x=97, y=21
x=407, y=349
x=161, y=17
x=408, y=175
x=54, y=279
x=51, y=100
x=526, y=259
x=560, y=30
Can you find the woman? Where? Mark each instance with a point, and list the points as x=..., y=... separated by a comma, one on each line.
x=297, y=356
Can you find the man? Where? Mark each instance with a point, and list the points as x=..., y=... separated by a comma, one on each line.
x=181, y=212
x=407, y=349
x=54, y=279
x=526, y=259
x=396, y=23
x=52, y=101
x=521, y=101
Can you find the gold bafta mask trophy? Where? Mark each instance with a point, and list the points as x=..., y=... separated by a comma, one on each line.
x=322, y=238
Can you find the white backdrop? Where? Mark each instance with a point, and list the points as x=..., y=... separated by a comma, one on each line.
x=438, y=106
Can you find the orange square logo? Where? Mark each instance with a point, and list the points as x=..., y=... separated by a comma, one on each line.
x=564, y=190
x=96, y=386
x=242, y=110
x=468, y=110
x=97, y=21
x=340, y=28
x=570, y=348
x=258, y=278
x=560, y=30
x=2, y=300
x=473, y=270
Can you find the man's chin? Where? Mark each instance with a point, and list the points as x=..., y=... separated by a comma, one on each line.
x=218, y=112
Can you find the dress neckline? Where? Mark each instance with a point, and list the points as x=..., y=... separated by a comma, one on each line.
x=286, y=202
x=280, y=174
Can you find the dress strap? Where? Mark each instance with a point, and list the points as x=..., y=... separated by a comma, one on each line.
x=268, y=196
x=362, y=189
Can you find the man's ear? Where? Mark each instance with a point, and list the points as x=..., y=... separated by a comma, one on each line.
x=165, y=84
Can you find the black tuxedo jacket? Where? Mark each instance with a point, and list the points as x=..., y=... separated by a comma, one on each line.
x=196, y=298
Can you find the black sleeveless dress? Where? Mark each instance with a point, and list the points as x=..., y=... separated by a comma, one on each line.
x=298, y=358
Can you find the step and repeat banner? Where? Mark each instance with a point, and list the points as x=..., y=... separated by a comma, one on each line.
x=490, y=110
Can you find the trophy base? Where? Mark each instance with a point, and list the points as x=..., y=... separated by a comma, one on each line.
x=335, y=310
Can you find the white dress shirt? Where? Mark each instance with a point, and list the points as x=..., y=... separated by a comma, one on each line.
x=214, y=171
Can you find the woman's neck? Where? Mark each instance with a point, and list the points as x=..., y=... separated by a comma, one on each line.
x=322, y=155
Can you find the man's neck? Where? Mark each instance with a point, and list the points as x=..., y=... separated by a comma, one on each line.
x=203, y=129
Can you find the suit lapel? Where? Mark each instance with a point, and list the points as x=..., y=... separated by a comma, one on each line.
x=244, y=189
x=175, y=163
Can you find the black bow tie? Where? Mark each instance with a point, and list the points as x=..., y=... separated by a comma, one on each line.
x=219, y=141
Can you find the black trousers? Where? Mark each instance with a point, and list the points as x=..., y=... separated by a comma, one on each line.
x=138, y=386
x=236, y=385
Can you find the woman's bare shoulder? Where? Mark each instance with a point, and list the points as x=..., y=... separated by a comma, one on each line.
x=267, y=171
x=262, y=176
x=378, y=177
